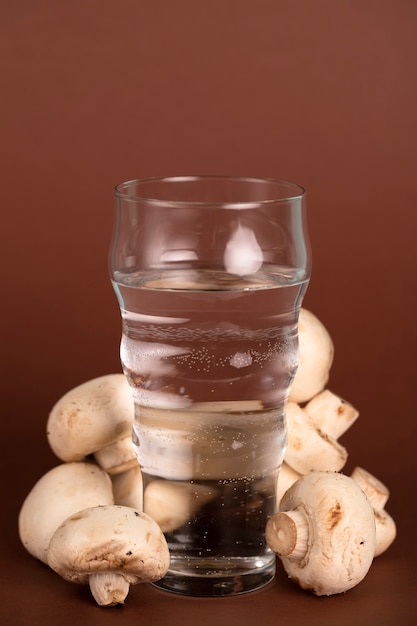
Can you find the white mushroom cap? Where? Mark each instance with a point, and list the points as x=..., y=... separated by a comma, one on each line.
x=172, y=504
x=377, y=494
x=316, y=357
x=93, y=416
x=59, y=493
x=310, y=449
x=110, y=548
x=324, y=533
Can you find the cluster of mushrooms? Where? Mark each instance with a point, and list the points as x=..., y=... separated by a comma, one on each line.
x=84, y=518
x=329, y=526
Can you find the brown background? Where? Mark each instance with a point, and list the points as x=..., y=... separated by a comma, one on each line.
x=320, y=92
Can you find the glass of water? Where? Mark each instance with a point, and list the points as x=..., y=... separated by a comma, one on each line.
x=210, y=273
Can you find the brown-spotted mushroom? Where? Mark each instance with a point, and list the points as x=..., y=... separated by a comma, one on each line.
x=96, y=418
x=109, y=548
x=324, y=533
x=316, y=357
x=64, y=490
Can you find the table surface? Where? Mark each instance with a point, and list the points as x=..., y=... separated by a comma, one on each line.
x=32, y=593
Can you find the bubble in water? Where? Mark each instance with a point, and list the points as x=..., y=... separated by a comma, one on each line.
x=241, y=359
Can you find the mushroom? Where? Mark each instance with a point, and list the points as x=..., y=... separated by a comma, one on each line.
x=286, y=477
x=324, y=533
x=312, y=442
x=128, y=488
x=117, y=457
x=62, y=491
x=316, y=351
x=309, y=448
x=109, y=548
x=172, y=503
x=378, y=494
x=95, y=418
x=331, y=414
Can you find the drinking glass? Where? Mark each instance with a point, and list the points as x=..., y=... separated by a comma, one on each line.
x=210, y=273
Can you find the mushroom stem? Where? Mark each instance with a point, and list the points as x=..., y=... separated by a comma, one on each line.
x=331, y=414
x=117, y=457
x=309, y=448
x=108, y=589
x=287, y=534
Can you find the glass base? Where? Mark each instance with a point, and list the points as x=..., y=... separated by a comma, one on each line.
x=204, y=578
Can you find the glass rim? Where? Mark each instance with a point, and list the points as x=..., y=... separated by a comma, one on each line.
x=122, y=192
